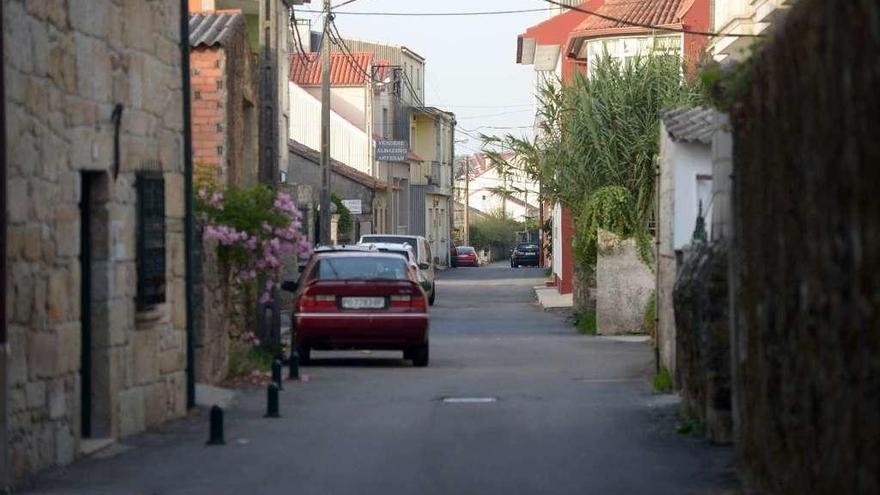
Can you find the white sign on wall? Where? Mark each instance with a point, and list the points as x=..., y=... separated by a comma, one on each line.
x=353, y=205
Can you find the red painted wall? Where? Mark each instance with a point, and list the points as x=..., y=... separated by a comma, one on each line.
x=697, y=19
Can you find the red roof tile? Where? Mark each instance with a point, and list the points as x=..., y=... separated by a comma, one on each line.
x=651, y=12
x=343, y=72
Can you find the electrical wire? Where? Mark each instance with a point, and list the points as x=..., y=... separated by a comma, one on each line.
x=343, y=4
x=348, y=55
x=649, y=26
x=440, y=14
x=558, y=4
x=495, y=114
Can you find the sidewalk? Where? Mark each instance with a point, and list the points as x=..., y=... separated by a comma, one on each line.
x=550, y=299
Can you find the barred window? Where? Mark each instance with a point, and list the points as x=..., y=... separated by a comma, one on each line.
x=151, y=239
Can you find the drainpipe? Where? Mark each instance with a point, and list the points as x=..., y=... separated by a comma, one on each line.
x=188, y=202
x=4, y=446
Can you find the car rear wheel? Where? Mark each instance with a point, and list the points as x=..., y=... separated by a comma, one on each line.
x=304, y=352
x=419, y=356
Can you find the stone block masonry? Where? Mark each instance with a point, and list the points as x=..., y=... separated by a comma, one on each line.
x=68, y=64
x=806, y=270
x=623, y=286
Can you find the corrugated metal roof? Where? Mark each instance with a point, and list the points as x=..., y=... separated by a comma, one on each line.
x=690, y=124
x=213, y=28
x=652, y=12
x=306, y=71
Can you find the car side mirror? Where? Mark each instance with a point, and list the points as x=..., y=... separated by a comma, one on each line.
x=424, y=266
x=289, y=286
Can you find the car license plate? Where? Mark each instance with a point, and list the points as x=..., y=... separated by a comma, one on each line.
x=363, y=302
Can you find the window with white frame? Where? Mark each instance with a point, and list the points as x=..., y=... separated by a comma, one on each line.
x=628, y=49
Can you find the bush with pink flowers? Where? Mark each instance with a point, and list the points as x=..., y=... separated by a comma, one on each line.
x=255, y=229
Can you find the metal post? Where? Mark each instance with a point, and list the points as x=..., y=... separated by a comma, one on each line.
x=325, y=127
x=188, y=205
x=272, y=401
x=541, y=242
x=216, y=435
x=467, y=201
x=294, y=364
x=276, y=373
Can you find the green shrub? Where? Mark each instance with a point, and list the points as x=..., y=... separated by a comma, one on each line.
x=244, y=361
x=662, y=381
x=649, y=323
x=689, y=423
x=345, y=218
x=585, y=322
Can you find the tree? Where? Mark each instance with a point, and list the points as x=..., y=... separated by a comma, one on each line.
x=601, y=134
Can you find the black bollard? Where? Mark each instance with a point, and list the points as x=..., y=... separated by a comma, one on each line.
x=216, y=427
x=272, y=401
x=276, y=373
x=294, y=365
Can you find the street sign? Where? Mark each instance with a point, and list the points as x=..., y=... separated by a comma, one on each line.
x=391, y=151
x=353, y=205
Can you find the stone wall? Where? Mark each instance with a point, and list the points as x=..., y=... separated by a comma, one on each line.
x=806, y=267
x=68, y=63
x=702, y=353
x=623, y=286
x=225, y=151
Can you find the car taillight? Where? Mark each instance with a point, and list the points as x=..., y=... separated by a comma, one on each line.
x=414, y=301
x=317, y=302
x=519, y=253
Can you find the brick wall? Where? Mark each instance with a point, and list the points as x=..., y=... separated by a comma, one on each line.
x=209, y=114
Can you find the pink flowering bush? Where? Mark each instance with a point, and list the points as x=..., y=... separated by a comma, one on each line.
x=255, y=229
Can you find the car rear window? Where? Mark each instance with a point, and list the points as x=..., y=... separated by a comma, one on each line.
x=527, y=247
x=362, y=268
x=463, y=250
x=388, y=239
x=394, y=251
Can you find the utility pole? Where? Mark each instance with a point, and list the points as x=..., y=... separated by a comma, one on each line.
x=467, y=201
x=325, y=127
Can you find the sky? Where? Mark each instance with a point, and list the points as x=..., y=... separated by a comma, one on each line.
x=471, y=67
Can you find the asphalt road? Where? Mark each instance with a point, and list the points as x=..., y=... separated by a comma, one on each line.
x=556, y=413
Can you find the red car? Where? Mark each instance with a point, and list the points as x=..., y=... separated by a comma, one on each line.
x=359, y=299
x=466, y=256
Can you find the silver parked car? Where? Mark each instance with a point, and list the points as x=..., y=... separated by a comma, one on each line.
x=422, y=251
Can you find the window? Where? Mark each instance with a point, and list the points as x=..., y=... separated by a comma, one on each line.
x=150, y=239
x=362, y=267
x=385, y=123
x=627, y=49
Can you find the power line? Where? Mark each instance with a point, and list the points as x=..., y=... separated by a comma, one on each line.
x=495, y=114
x=438, y=14
x=649, y=26
x=558, y=4
x=476, y=129
x=343, y=4
x=346, y=51
x=518, y=105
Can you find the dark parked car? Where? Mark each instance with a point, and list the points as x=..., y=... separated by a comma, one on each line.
x=359, y=299
x=466, y=256
x=525, y=254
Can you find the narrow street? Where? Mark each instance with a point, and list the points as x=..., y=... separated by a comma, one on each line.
x=572, y=414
